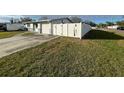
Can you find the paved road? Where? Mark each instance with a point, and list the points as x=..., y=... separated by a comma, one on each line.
x=17, y=43
x=112, y=30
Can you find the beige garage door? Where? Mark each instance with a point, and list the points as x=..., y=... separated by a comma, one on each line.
x=46, y=28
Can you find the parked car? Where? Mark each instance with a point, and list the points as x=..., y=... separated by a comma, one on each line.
x=16, y=26
x=120, y=28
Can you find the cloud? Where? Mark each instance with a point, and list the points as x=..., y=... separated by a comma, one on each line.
x=11, y=16
x=6, y=18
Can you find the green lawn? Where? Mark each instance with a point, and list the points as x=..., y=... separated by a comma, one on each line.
x=28, y=34
x=6, y=34
x=100, y=53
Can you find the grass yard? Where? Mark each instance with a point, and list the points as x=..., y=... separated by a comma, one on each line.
x=28, y=34
x=5, y=34
x=100, y=53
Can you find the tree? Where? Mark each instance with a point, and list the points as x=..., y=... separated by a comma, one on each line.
x=109, y=23
x=75, y=19
x=102, y=25
x=25, y=19
x=43, y=18
x=120, y=23
x=90, y=23
x=11, y=20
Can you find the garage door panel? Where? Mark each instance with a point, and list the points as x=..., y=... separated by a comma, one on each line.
x=46, y=28
x=65, y=29
x=59, y=29
x=54, y=29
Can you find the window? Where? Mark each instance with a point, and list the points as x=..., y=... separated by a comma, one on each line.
x=28, y=25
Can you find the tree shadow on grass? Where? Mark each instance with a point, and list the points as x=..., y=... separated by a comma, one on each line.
x=99, y=34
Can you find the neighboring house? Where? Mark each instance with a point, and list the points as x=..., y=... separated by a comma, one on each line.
x=13, y=27
x=113, y=27
x=94, y=27
x=61, y=26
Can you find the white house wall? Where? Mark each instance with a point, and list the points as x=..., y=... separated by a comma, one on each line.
x=37, y=29
x=30, y=28
x=69, y=29
x=26, y=26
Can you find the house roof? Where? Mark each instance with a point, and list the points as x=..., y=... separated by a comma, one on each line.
x=40, y=21
x=62, y=20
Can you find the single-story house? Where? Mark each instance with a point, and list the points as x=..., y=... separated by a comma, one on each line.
x=60, y=26
x=113, y=27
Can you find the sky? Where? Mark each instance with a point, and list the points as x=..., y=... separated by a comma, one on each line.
x=94, y=18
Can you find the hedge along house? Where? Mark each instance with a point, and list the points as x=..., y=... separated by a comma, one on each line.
x=61, y=27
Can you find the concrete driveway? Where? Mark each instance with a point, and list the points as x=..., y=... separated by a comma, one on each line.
x=17, y=43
